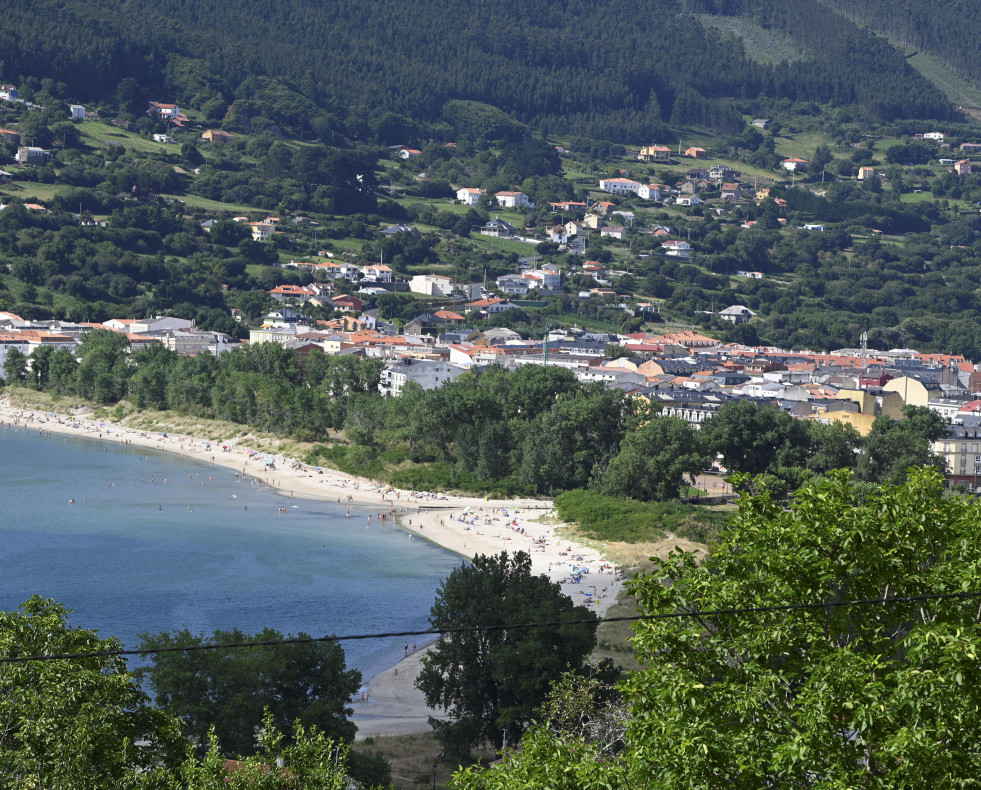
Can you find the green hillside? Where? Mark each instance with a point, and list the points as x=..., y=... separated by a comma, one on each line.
x=399, y=70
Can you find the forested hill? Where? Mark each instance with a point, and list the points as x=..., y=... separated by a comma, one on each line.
x=620, y=70
x=949, y=30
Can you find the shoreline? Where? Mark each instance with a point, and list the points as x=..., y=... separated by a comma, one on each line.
x=461, y=524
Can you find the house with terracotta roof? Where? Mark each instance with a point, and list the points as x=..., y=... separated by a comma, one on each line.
x=731, y=191
x=378, y=272
x=347, y=303
x=696, y=153
x=449, y=317
x=619, y=186
x=162, y=111
x=8, y=136
x=217, y=136
x=470, y=196
x=509, y=199
x=262, y=230
x=489, y=306
x=291, y=293
x=614, y=232
x=651, y=191
x=655, y=153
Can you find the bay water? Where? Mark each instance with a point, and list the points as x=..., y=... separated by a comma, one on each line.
x=135, y=554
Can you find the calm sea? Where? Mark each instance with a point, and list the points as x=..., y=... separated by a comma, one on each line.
x=203, y=550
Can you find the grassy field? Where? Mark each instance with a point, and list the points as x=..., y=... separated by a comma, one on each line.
x=763, y=46
x=195, y=201
x=98, y=133
x=800, y=145
x=22, y=190
x=492, y=244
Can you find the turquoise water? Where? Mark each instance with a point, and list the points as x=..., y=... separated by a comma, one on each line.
x=203, y=550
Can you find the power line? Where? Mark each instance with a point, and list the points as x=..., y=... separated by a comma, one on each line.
x=498, y=627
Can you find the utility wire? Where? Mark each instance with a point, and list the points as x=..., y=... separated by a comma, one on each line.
x=500, y=627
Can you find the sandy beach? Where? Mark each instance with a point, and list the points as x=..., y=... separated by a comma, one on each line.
x=465, y=525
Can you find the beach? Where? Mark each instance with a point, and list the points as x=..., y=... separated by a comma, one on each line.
x=464, y=525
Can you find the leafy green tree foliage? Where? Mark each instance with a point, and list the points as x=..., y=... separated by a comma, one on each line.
x=655, y=460
x=871, y=696
x=755, y=439
x=893, y=446
x=306, y=759
x=578, y=730
x=15, y=365
x=104, y=369
x=40, y=359
x=858, y=696
x=73, y=723
x=576, y=437
x=833, y=446
x=490, y=682
x=228, y=689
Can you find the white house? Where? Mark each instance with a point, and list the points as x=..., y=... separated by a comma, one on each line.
x=793, y=164
x=470, y=196
x=160, y=323
x=428, y=374
x=544, y=277
x=31, y=155
x=677, y=249
x=688, y=200
x=513, y=284
x=737, y=314
x=163, y=111
x=431, y=285
x=499, y=228
x=261, y=230
x=558, y=234
x=489, y=305
x=162, y=138
x=513, y=200
x=650, y=191
x=378, y=272
x=77, y=111
x=934, y=136
x=619, y=186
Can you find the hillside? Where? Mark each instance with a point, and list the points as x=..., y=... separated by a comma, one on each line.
x=622, y=73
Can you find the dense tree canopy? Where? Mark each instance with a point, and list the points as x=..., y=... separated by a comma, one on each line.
x=489, y=682
x=227, y=690
x=865, y=696
x=73, y=723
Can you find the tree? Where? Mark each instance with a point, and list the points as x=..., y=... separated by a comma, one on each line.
x=654, y=461
x=73, y=723
x=859, y=696
x=40, y=359
x=15, y=365
x=228, y=689
x=491, y=681
x=833, y=446
x=756, y=439
x=307, y=759
x=893, y=446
